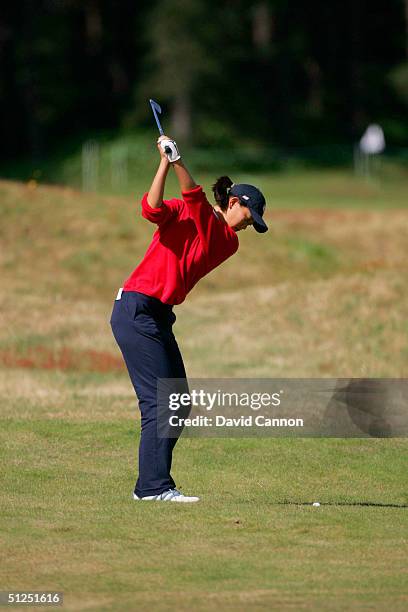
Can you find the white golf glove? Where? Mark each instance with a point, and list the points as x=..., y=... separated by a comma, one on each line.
x=171, y=150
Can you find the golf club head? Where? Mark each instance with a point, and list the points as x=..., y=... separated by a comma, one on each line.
x=155, y=106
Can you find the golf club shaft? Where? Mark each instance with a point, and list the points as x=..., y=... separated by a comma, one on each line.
x=153, y=105
x=156, y=107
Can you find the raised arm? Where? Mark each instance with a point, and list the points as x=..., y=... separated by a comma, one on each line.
x=156, y=191
x=184, y=177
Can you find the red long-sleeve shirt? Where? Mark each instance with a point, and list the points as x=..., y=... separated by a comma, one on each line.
x=190, y=241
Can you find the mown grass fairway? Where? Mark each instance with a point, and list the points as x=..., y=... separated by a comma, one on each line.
x=324, y=293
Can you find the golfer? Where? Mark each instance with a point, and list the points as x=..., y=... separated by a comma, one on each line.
x=192, y=238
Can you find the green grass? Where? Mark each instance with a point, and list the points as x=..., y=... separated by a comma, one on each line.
x=254, y=542
x=322, y=294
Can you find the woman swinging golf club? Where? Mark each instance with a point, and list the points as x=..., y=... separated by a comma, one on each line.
x=192, y=238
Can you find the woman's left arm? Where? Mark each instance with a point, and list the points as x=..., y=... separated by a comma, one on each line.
x=184, y=177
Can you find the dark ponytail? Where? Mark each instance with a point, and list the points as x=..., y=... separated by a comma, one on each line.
x=220, y=190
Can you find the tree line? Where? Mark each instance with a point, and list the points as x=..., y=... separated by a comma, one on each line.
x=226, y=71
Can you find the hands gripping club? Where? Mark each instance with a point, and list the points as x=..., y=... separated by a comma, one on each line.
x=171, y=150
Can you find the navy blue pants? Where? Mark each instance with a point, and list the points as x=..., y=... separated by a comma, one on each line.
x=142, y=326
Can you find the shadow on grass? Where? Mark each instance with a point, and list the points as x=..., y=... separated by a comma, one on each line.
x=370, y=504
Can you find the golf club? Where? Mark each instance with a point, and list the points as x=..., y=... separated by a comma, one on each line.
x=156, y=108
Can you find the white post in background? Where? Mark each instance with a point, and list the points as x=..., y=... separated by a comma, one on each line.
x=90, y=166
x=119, y=166
x=371, y=144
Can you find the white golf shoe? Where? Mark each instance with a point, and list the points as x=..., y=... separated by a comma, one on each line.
x=172, y=495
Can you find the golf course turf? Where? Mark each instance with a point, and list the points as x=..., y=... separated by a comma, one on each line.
x=323, y=294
